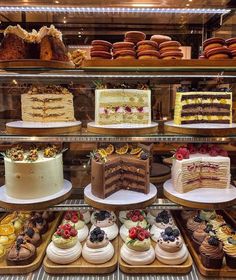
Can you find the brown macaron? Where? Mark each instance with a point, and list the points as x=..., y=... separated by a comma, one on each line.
x=231, y=43
x=100, y=45
x=213, y=43
x=134, y=36
x=172, y=55
x=147, y=45
x=151, y=54
x=121, y=46
x=100, y=55
x=169, y=44
x=233, y=54
x=125, y=54
x=160, y=38
x=218, y=53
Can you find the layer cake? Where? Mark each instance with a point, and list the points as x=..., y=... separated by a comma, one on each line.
x=114, y=171
x=203, y=107
x=203, y=168
x=47, y=104
x=122, y=106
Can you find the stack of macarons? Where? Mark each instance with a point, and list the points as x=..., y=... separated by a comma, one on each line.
x=101, y=49
x=134, y=36
x=215, y=48
x=170, y=50
x=123, y=50
x=231, y=44
x=147, y=49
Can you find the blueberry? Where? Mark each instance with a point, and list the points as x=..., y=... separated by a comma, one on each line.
x=175, y=232
x=168, y=231
x=213, y=240
x=172, y=238
x=197, y=219
x=144, y=156
x=30, y=232
x=165, y=237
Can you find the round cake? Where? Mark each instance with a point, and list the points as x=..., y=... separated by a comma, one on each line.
x=34, y=173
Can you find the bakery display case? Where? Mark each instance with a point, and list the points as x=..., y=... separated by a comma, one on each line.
x=117, y=139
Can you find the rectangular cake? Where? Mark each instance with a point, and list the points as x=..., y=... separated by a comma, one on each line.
x=122, y=106
x=203, y=107
x=47, y=104
x=200, y=171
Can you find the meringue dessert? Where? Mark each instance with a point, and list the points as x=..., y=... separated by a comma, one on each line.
x=170, y=248
x=93, y=216
x=162, y=221
x=105, y=221
x=97, y=249
x=137, y=249
x=134, y=218
x=86, y=215
x=75, y=219
x=65, y=246
x=151, y=215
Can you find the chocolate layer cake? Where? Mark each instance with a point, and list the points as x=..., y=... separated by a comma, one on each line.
x=203, y=107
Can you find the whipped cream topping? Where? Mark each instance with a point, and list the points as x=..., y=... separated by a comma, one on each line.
x=16, y=30
x=49, y=31
x=98, y=255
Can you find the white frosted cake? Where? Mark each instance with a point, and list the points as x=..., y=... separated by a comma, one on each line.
x=47, y=104
x=33, y=174
x=198, y=170
x=122, y=106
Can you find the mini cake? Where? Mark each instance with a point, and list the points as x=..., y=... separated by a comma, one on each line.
x=134, y=36
x=65, y=246
x=217, y=222
x=201, y=233
x=29, y=173
x=211, y=251
x=193, y=223
x=134, y=218
x=21, y=253
x=230, y=251
x=201, y=166
x=32, y=236
x=51, y=103
x=162, y=221
x=75, y=219
x=137, y=249
x=198, y=106
x=51, y=44
x=97, y=249
x=224, y=232
x=118, y=169
x=105, y=221
x=38, y=223
x=122, y=106
x=170, y=248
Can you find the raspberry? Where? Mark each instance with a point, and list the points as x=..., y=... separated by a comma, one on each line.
x=213, y=153
x=59, y=232
x=134, y=218
x=179, y=156
x=67, y=227
x=147, y=234
x=137, y=212
x=202, y=150
x=73, y=232
x=141, y=236
x=67, y=216
x=141, y=218
x=74, y=219
x=133, y=233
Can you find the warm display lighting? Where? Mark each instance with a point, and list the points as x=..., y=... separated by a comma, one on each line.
x=110, y=10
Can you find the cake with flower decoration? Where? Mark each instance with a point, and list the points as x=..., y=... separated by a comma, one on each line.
x=120, y=167
x=122, y=106
x=137, y=249
x=200, y=166
x=65, y=246
x=33, y=173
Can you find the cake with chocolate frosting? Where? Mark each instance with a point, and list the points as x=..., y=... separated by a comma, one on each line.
x=113, y=169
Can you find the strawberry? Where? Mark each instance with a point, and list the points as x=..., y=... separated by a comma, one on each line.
x=74, y=219
x=73, y=232
x=133, y=233
x=141, y=236
x=141, y=218
x=179, y=156
x=134, y=218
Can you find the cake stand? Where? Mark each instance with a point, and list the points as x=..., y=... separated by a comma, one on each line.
x=121, y=200
x=211, y=129
x=203, y=198
x=12, y=203
x=123, y=129
x=42, y=128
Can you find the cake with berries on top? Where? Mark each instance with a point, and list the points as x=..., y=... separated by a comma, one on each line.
x=137, y=249
x=120, y=167
x=200, y=166
x=65, y=246
x=75, y=219
x=97, y=249
x=170, y=248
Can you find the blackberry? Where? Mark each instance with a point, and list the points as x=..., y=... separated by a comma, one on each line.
x=213, y=240
x=176, y=232
x=100, y=237
x=169, y=231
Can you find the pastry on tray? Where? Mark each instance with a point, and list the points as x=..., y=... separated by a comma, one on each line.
x=207, y=215
x=230, y=251
x=201, y=233
x=32, y=236
x=97, y=249
x=217, y=222
x=224, y=232
x=170, y=248
x=193, y=223
x=106, y=221
x=49, y=216
x=86, y=215
x=75, y=219
x=21, y=253
x=134, y=218
x=137, y=249
x=37, y=222
x=65, y=247
x=162, y=221
x=186, y=214
x=7, y=235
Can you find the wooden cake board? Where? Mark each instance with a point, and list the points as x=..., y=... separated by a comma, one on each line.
x=202, y=198
x=9, y=203
x=24, y=269
x=81, y=266
x=35, y=64
x=116, y=201
x=122, y=129
x=156, y=266
x=223, y=272
x=38, y=128
x=201, y=129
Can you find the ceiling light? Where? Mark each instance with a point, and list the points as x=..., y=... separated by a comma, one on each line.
x=142, y=5
x=57, y=2
x=187, y=5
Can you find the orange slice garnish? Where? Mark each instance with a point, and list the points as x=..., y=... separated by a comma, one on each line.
x=6, y=229
x=8, y=219
x=109, y=149
x=122, y=150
